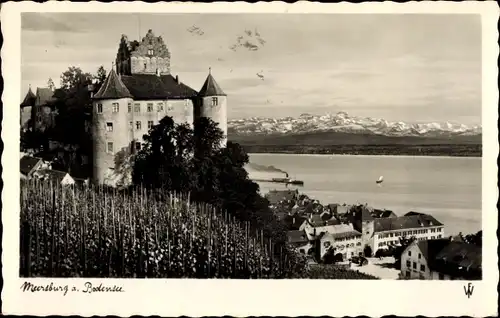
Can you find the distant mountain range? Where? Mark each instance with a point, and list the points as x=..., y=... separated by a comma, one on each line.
x=346, y=125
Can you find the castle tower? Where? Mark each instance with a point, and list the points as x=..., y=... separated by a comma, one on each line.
x=213, y=104
x=150, y=56
x=26, y=107
x=111, y=133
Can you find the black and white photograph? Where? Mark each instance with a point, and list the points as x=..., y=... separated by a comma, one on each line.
x=264, y=146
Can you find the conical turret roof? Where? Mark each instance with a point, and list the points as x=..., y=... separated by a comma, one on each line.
x=211, y=88
x=112, y=88
x=29, y=99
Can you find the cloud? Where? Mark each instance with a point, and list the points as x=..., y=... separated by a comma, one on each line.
x=46, y=22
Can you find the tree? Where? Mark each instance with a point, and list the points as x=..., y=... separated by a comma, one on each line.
x=50, y=84
x=368, y=251
x=476, y=239
x=100, y=77
x=176, y=157
x=74, y=78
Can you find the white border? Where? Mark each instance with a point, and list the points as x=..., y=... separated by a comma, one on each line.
x=252, y=297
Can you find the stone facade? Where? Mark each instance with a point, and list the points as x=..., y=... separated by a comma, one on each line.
x=111, y=135
x=149, y=56
x=215, y=108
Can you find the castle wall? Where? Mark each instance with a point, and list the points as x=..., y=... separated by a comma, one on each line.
x=180, y=110
x=149, y=65
x=120, y=136
x=217, y=112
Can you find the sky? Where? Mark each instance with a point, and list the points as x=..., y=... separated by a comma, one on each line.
x=400, y=67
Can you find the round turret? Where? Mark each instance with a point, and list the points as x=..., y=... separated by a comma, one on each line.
x=213, y=104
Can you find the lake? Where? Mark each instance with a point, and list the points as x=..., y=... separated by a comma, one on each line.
x=449, y=188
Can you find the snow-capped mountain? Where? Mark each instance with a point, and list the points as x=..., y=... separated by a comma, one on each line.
x=342, y=122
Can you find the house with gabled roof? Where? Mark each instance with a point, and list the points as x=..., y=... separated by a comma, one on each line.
x=441, y=259
x=28, y=165
x=54, y=177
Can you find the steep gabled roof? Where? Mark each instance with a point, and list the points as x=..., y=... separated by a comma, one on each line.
x=151, y=86
x=43, y=96
x=29, y=99
x=112, y=88
x=27, y=163
x=211, y=88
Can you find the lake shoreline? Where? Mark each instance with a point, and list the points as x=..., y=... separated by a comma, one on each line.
x=449, y=188
x=420, y=150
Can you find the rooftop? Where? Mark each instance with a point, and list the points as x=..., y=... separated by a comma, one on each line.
x=112, y=88
x=405, y=222
x=276, y=196
x=29, y=99
x=51, y=175
x=149, y=86
x=43, y=96
x=295, y=237
x=211, y=88
x=452, y=257
x=27, y=163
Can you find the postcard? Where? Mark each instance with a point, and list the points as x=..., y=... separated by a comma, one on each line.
x=250, y=159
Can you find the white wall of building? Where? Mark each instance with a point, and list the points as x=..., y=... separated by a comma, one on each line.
x=413, y=263
x=386, y=238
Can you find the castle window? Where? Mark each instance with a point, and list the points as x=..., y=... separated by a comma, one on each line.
x=150, y=107
x=110, y=147
x=215, y=101
x=150, y=52
x=109, y=126
x=129, y=107
x=160, y=107
x=137, y=107
x=138, y=125
x=137, y=146
x=116, y=107
x=150, y=124
x=99, y=108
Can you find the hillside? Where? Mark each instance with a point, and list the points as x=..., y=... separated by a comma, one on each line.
x=328, y=138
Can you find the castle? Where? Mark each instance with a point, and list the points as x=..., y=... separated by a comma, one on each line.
x=137, y=95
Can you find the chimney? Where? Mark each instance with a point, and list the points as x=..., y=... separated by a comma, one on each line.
x=177, y=78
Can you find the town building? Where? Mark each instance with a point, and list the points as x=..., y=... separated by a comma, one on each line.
x=343, y=239
x=380, y=233
x=314, y=225
x=441, y=259
x=298, y=239
x=54, y=176
x=29, y=165
x=377, y=213
x=36, y=110
x=388, y=231
x=137, y=95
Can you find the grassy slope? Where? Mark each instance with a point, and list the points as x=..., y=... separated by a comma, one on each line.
x=328, y=138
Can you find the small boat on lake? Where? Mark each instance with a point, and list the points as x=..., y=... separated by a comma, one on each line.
x=296, y=182
x=380, y=180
